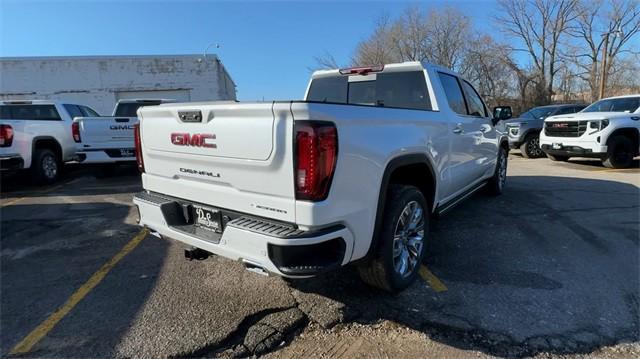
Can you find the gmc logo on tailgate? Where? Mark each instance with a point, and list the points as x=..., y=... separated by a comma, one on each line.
x=195, y=140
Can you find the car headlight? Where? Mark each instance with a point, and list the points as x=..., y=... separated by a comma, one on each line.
x=598, y=125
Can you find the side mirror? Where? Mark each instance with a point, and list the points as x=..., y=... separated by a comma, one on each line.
x=501, y=113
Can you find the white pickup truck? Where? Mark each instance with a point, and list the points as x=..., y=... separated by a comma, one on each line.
x=608, y=129
x=37, y=135
x=352, y=174
x=109, y=139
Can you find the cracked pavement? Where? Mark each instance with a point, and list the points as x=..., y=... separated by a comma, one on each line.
x=549, y=269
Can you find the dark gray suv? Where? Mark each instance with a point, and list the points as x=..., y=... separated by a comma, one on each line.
x=524, y=131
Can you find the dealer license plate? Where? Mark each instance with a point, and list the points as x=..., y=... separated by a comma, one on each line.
x=207, y=218
x=126, y=152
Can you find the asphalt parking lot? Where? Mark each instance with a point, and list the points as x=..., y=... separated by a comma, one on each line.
x=550, y=268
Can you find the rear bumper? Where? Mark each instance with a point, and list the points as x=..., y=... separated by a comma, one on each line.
x=10, y=163
x=109, y=155
x=277, y=247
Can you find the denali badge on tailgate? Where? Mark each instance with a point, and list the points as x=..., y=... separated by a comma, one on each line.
x=195, y=140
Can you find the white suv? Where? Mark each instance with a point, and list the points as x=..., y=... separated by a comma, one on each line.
x=608, y=129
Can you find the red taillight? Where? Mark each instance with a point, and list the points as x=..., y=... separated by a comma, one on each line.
x=361, y=70
x=6, y=135
x=316, y=150
x=75, y=131
x=138, y=147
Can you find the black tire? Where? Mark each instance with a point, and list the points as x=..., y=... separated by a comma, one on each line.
x=496, y=184
x=530, y=148
x=558, y=158
x=45, y=166
x=381, y=271
x=620, y=152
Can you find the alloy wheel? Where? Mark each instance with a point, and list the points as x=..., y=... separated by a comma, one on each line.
x=408, y=239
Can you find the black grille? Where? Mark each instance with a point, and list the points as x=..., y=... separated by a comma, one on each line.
x=565, y=128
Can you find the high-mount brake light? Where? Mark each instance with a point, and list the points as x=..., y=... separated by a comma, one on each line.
x=361, y=70
x=138, y=147
x=316, y=150
x=6, y=135
x=75, y=131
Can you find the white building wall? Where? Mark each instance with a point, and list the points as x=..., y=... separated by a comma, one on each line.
x=99, y=81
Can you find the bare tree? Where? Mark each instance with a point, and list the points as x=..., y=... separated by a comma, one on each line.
x=324, y=62
x=379, y=48
x=595, y=19
x=540, y=26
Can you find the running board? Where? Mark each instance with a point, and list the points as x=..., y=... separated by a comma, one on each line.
x=443, y=209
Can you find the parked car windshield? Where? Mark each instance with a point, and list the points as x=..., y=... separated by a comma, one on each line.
x=130, y=109
x=624, y=104
x=538, y=112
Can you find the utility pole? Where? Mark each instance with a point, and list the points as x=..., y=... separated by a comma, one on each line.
x=605, y=55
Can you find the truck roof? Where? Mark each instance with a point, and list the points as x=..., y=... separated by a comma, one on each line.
x=31, y=102
x=623, y=96
x=400, y=66
x=138, y=100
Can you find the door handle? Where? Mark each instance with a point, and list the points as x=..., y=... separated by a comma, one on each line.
x=458, y=129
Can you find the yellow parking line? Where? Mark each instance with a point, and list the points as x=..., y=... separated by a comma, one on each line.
x=45, y=327
x=16, y=200
x=432, y=280
x=13, y=201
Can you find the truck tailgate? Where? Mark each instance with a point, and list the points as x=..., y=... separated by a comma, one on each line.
x=228, y=155
x=106, y=132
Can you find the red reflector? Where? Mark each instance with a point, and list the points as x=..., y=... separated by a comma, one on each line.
x=361, y=70
x=316, y=155
x=138, y=147
x=6, y=135
x=75, y=131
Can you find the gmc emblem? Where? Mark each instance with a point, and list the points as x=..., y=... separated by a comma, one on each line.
x=195, y=140
x=560, y=125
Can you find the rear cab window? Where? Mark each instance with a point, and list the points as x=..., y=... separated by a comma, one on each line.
x=404, y=89
x=30, y=112
x=130, y=109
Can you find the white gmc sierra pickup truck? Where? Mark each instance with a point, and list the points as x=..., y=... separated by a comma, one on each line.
x=37, y=135
x=608, y=129
x=351, y=174
x=109, y=139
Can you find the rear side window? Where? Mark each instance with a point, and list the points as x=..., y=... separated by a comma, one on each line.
x=88, y=111
x=407, y=89
x=30, y=112
x=474, y=102
x=454, y=93
x=73, y=111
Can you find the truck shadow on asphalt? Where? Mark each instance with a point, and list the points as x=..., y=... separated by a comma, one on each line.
x=112, y=180
x=549, y=266
x=49, y=251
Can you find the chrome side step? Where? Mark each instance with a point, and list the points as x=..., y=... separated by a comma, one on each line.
x=443, y=209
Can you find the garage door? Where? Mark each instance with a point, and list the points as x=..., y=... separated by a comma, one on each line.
x=178, y=95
